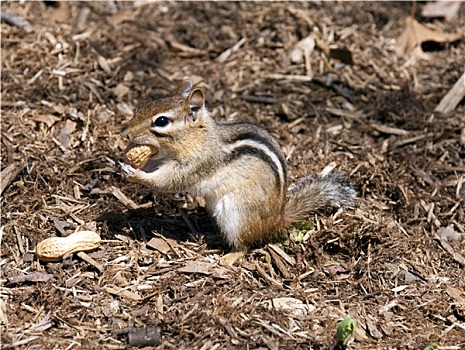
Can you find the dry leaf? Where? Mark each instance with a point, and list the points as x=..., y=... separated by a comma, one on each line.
x=414, y=34
x=446, y=9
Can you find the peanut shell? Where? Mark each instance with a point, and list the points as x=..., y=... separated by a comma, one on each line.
x=55, y=248
x=137, y=156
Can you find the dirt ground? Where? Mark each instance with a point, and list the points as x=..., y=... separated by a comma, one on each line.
x=71, y=79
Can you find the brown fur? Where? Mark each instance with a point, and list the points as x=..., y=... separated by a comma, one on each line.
x=247, y=190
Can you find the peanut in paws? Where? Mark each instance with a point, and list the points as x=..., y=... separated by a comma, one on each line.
x=138, y=155
x=55, y=248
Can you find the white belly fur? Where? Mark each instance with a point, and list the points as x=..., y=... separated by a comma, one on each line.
x=228, y=217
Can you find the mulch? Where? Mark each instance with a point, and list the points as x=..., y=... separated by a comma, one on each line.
x=75, y=74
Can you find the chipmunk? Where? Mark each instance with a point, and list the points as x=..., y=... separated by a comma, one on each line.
x=236, y=166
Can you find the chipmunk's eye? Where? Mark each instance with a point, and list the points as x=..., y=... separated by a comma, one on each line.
x=161, y=121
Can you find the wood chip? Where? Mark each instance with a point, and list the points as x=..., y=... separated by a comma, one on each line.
x=197, y=267
x=354, y=115
x=160, y=307
x=450, y=235
x=446, y=9
x=228, y=328
x=455, y=255
x=159, y=244
x=289, y=259
x=456, y=94
x=122, y=293
x=258, y=99
x=141, y=337
x=48, y=119
x=13, y=20
x=45, y=323
x=121, y=16
x=120, y=90
x=372, y=329
x=3, y=313
x=388, y=129
x=10, y=173
x=265, y=276
x=291, y=305
x=231, y=258
x=280, y=264
x=30, y=277
x=64, y=136
x=457, y=294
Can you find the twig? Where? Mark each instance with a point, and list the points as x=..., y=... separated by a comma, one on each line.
x=88, y=259
x=289, y=77
x=226, y=54
x=122, y=197
x=264, y=275
x=186, y=51
x=389, y=129
x=258, y=99
x=188, y=222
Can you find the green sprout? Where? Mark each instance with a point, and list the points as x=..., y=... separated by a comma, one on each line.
x=432, y=347
x=346, y=331
x=296, y=235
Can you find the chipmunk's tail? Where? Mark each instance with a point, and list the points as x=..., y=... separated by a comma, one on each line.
x=316, y=191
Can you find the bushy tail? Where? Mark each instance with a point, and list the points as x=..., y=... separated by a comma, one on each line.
x=316, y=191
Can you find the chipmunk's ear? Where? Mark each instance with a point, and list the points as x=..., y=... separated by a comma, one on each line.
x=195, y=101
x=184, y=88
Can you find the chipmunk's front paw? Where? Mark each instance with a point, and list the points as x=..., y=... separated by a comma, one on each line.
x=128, y=171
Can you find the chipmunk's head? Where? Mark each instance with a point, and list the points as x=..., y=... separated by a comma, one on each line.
x=175, y=126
